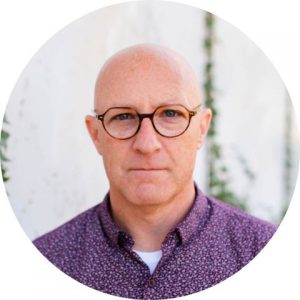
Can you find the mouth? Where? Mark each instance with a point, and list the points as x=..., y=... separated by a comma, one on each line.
x=147, y=169
x=148, y=174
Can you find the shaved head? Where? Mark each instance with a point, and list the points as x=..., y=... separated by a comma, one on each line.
x=144, y=61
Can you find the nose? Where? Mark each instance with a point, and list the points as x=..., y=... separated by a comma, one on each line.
x=146, y=140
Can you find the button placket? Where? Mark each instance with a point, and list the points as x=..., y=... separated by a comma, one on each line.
x=151, y=282
x=149, y=291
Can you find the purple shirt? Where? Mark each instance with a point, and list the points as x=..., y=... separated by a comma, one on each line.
x=213, y=242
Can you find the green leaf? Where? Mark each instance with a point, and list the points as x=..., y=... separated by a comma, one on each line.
x=4, y=135
x=4, y=177
x=3, y=157
x=4, y=138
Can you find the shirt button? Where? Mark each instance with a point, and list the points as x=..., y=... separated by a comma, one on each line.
x=151, y=282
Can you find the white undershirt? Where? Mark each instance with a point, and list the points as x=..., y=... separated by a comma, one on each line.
x=151, y=259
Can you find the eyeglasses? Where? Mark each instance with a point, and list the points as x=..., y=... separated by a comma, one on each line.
x=168, y=120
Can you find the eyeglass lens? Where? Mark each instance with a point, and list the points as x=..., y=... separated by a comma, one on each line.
x=169, y=121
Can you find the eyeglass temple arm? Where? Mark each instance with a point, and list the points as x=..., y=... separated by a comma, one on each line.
x=97, y=115
x=195, y=110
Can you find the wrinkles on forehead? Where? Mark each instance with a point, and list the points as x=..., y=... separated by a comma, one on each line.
x=146, y=72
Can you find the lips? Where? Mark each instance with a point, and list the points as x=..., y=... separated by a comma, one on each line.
x=147, y=169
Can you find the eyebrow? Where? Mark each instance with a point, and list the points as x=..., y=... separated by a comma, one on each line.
x=166, y=102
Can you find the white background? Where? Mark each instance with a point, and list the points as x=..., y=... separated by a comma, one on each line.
x=26, y=26
x=56, y=173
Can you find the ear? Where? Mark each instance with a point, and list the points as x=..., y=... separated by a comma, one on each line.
x=92, y=126
x=205, y=119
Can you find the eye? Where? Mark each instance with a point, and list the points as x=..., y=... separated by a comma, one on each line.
x=123, y=117
x=170, y=113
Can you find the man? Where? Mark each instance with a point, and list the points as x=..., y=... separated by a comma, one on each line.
x=155, y=235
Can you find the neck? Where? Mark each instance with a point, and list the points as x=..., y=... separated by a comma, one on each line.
x=149, y=225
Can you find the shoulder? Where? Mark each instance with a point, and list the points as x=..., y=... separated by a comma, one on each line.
x=65, y=240
x=242, y=229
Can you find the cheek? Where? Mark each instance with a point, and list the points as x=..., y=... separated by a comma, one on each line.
x=114, y=155
x=184, y=154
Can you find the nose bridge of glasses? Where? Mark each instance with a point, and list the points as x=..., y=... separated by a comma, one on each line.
x=146, y=116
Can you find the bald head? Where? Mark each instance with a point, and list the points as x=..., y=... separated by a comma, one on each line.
x=146, y=72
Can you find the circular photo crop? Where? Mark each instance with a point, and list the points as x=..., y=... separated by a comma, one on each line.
x=149, y=150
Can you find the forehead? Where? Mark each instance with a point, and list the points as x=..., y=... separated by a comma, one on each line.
x=145, y=80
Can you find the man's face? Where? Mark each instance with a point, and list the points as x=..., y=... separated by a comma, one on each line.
x=147, y=168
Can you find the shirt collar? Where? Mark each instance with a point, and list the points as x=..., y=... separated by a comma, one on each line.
x=112, y=230
x=196, y=218
x=193, y=222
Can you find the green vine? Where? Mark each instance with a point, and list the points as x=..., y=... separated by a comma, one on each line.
x=3, y=147
x=288, y=157
x=218, y=179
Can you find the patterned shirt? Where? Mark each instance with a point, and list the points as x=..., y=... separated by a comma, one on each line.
x=214, y=241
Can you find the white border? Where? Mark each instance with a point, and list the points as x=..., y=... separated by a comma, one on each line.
x=26, y=25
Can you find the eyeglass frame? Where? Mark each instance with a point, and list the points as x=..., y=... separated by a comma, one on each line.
x=150, y=116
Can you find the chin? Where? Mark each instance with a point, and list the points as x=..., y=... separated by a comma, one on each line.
x=149, y=193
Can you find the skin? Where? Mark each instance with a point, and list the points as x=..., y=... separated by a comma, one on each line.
x=150, y=176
